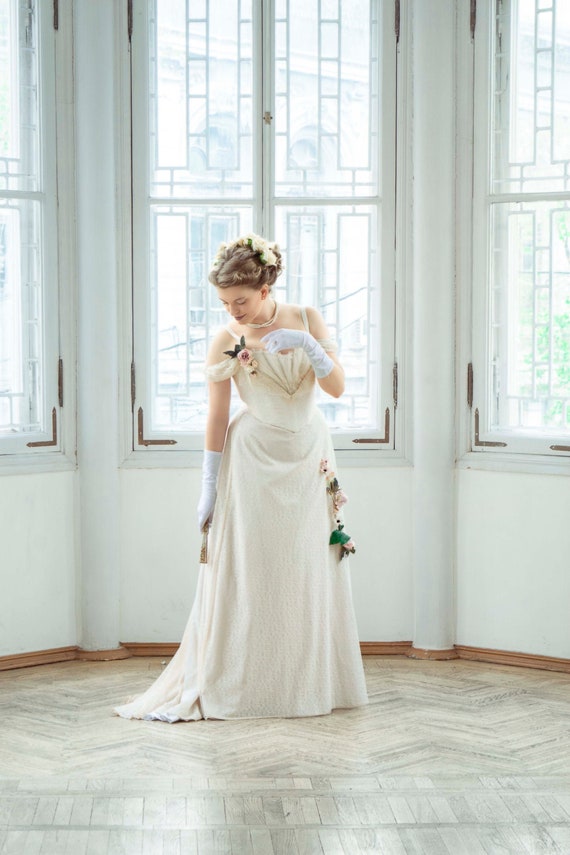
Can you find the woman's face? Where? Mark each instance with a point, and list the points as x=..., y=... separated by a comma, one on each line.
x=242, y=303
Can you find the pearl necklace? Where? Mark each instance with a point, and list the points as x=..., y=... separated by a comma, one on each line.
x=267, y=323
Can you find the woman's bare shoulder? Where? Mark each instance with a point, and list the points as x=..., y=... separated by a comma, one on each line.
x=317, y=324
x=292, y=315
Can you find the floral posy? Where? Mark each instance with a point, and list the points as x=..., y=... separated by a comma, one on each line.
x=244, y=356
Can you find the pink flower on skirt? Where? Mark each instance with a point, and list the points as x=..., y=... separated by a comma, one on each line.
x=324, y=465
x=350, y=546
x=340, y=499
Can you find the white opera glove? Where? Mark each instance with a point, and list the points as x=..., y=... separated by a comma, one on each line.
x=286, y=339
x=210, y=468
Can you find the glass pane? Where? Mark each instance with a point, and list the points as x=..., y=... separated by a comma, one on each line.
x=326, y=123
x=19, y=110
x=21, y=359
x=532, y=98
x=201, y=99
x=323, y=270
x=530, y=313
x=186, y=311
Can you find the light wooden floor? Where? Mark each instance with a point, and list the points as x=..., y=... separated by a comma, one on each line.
x=449, y=757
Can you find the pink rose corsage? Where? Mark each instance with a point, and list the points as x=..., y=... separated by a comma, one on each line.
x=244, y=355
x=246, y=358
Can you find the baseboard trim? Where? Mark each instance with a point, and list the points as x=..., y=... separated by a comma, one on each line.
x=508, y=657
x=120, y=652
x=385, y=648
x=368, y=648
x=157, y=648
x=439, y=655
x=38, y=657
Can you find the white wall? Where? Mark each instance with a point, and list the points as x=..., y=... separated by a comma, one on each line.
x=160, y=550
x=513, y=562
x=38, y=603
x=160, y=547
x=379, y=517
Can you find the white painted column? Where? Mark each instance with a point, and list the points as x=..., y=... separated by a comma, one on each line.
x=433, y=32
x=97, y=400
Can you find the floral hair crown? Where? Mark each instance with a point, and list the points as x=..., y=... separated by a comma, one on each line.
x=259, y=245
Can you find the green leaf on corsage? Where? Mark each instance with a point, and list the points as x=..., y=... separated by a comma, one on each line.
x=241, y=346
x=339, y=536
x=344, y=540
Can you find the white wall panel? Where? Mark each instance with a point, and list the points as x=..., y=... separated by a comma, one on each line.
x=513, y=570
x=159, y=552
x=37, y=562
x=379, y=518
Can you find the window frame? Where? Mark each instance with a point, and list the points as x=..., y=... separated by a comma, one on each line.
x=56, y=195
x=486, y=447
x=135, y=76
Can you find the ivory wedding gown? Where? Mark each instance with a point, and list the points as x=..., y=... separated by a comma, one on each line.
x=272, y=631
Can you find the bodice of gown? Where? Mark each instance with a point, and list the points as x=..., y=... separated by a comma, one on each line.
x=282, y=390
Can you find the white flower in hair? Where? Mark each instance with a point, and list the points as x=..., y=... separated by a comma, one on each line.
x=246, y=240
x=257, y=243
x=260, y=246
x=268, y=257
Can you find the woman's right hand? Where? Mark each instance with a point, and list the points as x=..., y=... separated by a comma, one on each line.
x=210, y=468
x=206, y=505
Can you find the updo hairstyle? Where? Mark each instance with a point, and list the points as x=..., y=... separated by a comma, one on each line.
x=250, y=260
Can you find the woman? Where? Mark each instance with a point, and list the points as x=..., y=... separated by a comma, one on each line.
x=272, y=631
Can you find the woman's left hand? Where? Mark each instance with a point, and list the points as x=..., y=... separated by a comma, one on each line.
x=285, y=339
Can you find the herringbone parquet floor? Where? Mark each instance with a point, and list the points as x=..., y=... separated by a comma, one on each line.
x=449, y=757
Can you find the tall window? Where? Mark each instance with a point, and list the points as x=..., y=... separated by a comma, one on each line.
x=28, y=237
x=522, y=225
x=277, y=118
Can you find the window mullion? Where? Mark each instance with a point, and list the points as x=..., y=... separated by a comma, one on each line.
x=265, y=215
